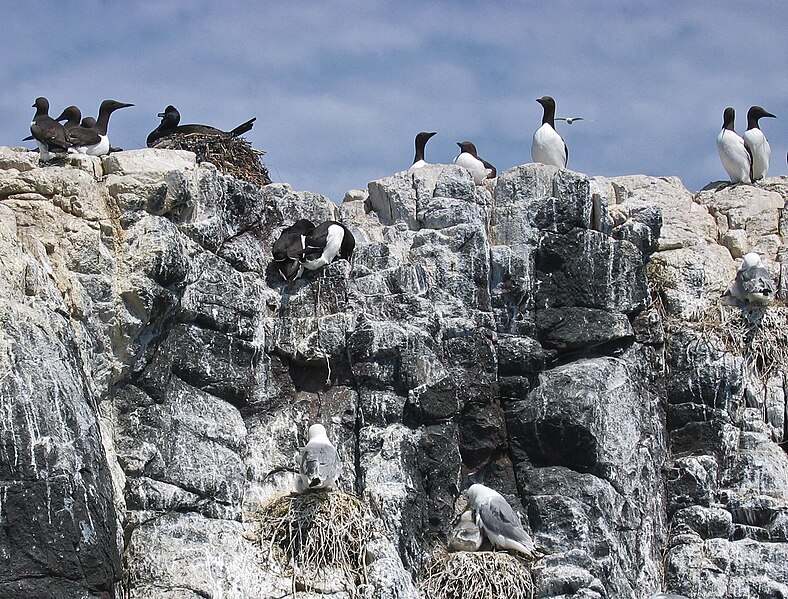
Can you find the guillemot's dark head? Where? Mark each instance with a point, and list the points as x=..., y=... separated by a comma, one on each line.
x=467, y=146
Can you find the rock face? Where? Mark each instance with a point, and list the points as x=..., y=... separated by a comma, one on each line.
x=548, y=330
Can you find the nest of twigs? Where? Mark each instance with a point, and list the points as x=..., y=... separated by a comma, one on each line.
x=232, y=155
x=759, y=334
x=477, y=575
x=318, y=537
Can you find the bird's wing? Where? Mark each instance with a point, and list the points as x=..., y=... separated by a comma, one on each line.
x=566, y=151
x=497, y=517
x=83, y=136
x=51, y=133
x=320, y=460
x=493, y=173
x=756, y=280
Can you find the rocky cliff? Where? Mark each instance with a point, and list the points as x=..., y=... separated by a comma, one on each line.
x=562, y=335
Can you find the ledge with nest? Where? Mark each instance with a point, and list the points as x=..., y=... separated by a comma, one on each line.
x=477, y=575
x=232, y=155
x=318, y=538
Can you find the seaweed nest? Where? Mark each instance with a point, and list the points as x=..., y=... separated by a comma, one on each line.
x=232, y=155
x=477, y=575
x=316, y=536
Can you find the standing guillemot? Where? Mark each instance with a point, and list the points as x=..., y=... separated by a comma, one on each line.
x=289, y=248
x=94, y=141
x=70, y=114
x=421, y=141
x=171, y=118
x=325, y=243
x=468, y=158
x=733, y=153
x=756, y=142
x=51, y=137
x=548, y=147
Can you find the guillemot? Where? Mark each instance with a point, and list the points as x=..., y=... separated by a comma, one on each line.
x=469, y=158
x=71, y=115
x=171, y=118
x=757, y=144
x=94, y=141
x=733, y=153
x=51, y=137
x=421, y=141
x=289, y=248
x=548, y=147
x=325, y=243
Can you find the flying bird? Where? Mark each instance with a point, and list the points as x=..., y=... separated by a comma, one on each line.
x=548, y=147
x=496, y=518
x=319, y=464
x=756, y=143
x=51, y=137
x=421, y=141
x=569, y=119
x=170, y=125
x=733, y=153
x=753, y=283
x=468, y=158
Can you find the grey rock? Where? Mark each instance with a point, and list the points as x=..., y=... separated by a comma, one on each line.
x=544, y=330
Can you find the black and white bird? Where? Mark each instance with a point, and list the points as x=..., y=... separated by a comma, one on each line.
x=94, y=140
x=288, y=249
x=170, y=125
x=548, y=147
x=753, y=283
x=325, y=243
x=496, y=518
x=479, y=168
x=319, y=466
x=733, y=153
x=421, y=141
x=466, y=535
x=51, y=137
x=756, y=142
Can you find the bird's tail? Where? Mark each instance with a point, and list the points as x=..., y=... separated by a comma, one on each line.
x=243, y=128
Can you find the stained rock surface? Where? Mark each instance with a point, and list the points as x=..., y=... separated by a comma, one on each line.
x=546, y=329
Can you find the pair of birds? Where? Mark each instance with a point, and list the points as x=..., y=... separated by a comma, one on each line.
x=170, y=125
x=303, y=245
x=746, y=159
x=78, y=135
x=496, y=519
x=547, y=147
x=319, y=467
x=468, y=158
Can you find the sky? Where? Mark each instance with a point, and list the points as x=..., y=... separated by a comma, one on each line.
x=340, y=89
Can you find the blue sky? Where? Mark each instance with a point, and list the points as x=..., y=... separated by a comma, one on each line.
x=340, y=89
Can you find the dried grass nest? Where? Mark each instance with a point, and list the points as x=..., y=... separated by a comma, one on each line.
x=477, y=575
x=232, y=155
x=317, y=536
x=759, y=334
